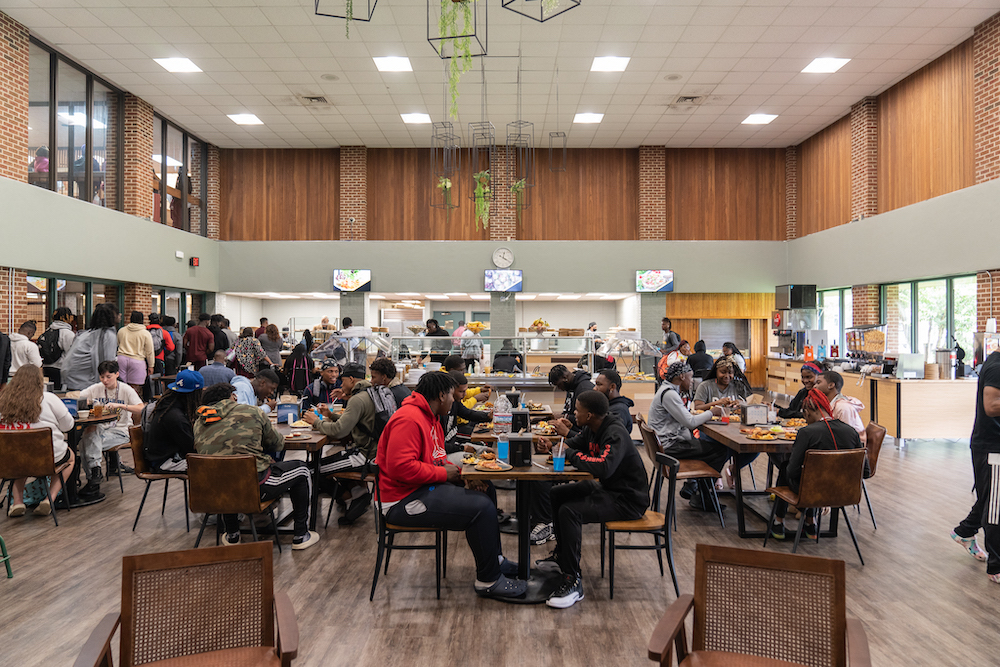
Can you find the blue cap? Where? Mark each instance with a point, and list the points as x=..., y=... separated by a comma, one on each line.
x=187, y=381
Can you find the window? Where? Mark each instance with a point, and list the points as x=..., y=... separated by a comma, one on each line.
x=179, y=178
x=105, y=113
x=964, y=313
x=72, y=119
x=932, y=318
x=898, y=303
x=923, y=317
x=836, y=316
x=39, y=94
x=47, y=293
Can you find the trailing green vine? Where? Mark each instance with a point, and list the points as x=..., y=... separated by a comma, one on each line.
x=349, y=15
x=461, y=53
x=549, y=7
x=517, y=189
x=444, y=184
x=483, y=196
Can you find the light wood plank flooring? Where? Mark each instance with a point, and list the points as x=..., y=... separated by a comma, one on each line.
x=921, y=599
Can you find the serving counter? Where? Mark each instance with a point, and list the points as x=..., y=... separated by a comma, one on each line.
x=906, y=408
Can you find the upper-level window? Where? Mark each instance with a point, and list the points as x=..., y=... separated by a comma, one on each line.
x=178, y=178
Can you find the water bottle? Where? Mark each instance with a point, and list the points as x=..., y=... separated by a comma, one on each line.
x=502, y=415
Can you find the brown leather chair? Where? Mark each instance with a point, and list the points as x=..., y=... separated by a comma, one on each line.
x=829, y=479
x=761, y=609
x=387, y=532
x=227, y=485
x=875, y=435
x=699, y=471
x=28, y=453
x=653, y=522
x=213, y=606
x=143, y=472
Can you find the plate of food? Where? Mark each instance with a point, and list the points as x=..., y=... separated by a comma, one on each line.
x=492, y=465
x=301, y=423
x=483, y=428
x=544, y=428
x=297, y=436
x=789, y=435
x=535, y=406
x=760, y=434
x=795, y=422
x=470, y=460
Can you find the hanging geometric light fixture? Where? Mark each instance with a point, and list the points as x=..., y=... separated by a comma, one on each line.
x=557, y=140
x=446, y=161
x=482, y=159
x=344, y=9
x=458, y=31
x=520, y=167
x=540, y=10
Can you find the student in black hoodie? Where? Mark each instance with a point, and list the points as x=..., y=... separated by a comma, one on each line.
x=169, y=435
x=573, y=383
x=620, y=493
x=609, y=383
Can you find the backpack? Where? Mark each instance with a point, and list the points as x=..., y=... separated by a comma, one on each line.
x=146, y=415
x=48, y=346
x=157, y=334
x=385, y=407
x=661, y=367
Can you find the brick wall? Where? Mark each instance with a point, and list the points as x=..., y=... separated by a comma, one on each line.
x=13, y=311
x=865, y=304
x=987, y=297
x=652, y=193
x=139, y=297
x=986, y=98
x=864, y=158
x=503, y=214
x=111, y=183
x=213, y=192
x=137, y=167
x=892, y=318
x=791, y=192
x=13, y=99
x=196, y=307
x=353, y=193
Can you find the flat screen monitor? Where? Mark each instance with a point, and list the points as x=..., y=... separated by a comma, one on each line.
x=352, y=280
x=659, y=280
x=503, y=281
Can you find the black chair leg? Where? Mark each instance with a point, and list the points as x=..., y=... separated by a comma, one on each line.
x=670, y=559
x=388, y=550
x=850, y=529
x=329, y=513
x=770, y=521
x=274, y=527
x=871, y=511
x=659, y=553
x=604, y=532
x=143, y=502
x=611, y=565
x=187, y=515
x=444, y=554
x=378, y=564
x=437, y=562
x=204, y=522
x=752, y=478
x=253, y=527
x=798, y=532
x=715, y=500
x=166, y=485
x=52, y=504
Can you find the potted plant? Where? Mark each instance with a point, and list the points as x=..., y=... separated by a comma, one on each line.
x=483, y=195
x=444, y=184
x=461, y=53
x=349, y=16
x=517, y=189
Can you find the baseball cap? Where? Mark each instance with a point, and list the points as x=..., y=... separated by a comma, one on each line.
x=187, y=381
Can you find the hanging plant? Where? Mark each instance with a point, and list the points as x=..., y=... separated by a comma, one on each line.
x=483, y=195
x=549, y=6
x=517, y=189
x=461, y=51
x=349, y=16
x=444, y=184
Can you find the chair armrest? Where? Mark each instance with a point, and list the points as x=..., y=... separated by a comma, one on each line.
x=288, y=628
x=97, y=651
x=857, y=644
x=668, y=627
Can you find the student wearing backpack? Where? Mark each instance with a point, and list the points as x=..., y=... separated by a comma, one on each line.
x=173, y=359
x=55, y=342
x=163, y=343
x=362, y=421
x=168, y=424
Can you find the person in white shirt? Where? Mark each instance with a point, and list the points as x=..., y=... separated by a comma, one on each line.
x=23, y=405
x=23, y=350
x=116, y=397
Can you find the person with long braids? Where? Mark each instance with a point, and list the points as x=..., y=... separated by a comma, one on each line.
x=169, y=435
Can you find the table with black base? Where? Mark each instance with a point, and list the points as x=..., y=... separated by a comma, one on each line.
x=75, y=437
x=541, y=583
x=730, y=436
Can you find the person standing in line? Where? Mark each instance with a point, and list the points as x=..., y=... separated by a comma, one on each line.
x=55, y=343
x=4, y=358
x=163, y=343
x=985, y=444
x=271, y=341
x=90, y=348
x=199, y=342
x=172, y=360
x=23, y=350
x=136, y=356
x=261, y=329
x=230, y=334
x=671, y=340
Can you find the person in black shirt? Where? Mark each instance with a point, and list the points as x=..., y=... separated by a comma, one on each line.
x=609, y=383
x=700, y=362
x=169, y=436
x=573, y=383
x=508, y=359
x=439, y=349
x=620, y=491
x=985, y=443
x=809, y=372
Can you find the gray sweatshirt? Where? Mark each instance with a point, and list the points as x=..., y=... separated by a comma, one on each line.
x=673, y=423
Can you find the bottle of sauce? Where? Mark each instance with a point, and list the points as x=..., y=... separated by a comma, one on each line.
x=834, y=351
x=821, y=352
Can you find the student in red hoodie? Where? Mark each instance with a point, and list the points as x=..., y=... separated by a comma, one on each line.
x=419, y=487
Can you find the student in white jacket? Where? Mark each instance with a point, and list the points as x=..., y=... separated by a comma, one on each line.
x=23, y=350
x=23, y=405
x=845, y=408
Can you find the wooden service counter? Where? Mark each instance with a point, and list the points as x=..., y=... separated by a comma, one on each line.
x=906, y=408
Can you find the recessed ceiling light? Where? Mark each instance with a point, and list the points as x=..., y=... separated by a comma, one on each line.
x=825, y=65
x=408, y=294
x=438, y=297
x=568, y=297
x=524, y=297
x=415, y=118
x=245, y=119
x=393, y=64
x=759, y=119
x=609, y=64
x=177, y=64
x=329, y=77
x=588, y=118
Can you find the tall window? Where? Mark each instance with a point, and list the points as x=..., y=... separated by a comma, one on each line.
x=836, y=315
x=925, y=316
x=964, y=313
x=179, y=178
x=932, y=318
x=105, y=113
x=39, y=94
x=71, y=133
x=898, y=305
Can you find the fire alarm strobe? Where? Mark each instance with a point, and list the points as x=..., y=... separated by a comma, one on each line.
x=195, y=261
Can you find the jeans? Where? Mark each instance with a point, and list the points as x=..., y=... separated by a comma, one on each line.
x=455, y=508
x=574, y=505
x=985, y=512
x=293, y=478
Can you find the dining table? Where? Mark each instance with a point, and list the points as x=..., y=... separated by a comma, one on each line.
x=80, y=424
x=729, y=435
x=541, y=583
x=312, y=443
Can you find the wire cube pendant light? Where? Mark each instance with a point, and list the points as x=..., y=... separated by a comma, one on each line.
x=540, y=10
x=520, y=167
x=346, y=9
x=446, y=166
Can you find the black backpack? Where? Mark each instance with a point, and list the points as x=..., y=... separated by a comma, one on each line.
x=146, y=415
x=385, y=407
x=48, y=346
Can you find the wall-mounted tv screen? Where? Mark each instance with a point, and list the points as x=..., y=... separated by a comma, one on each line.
x=660, y=280
x=503, y=281
x=352, y=280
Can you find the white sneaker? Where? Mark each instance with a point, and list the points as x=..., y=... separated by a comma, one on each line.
x=306, y=541
x=542, y=533
x=568, y=594
x=227, y=542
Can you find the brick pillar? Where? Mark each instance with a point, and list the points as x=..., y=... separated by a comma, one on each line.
x=791, y=192
x=13, y=99
x=139, y=297
x=987, y=297
x=213, y=192
x=864, y=158
x=986, y=98
x=138, y=166
x=196, y=307
x=865, y=304
x=111, y=183
x=892, y=318
x=13, y=297
x=353, y=193
x=652, y=193
x=503, y=215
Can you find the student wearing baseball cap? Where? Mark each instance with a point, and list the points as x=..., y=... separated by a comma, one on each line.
x=320, y=390
x=169, y=435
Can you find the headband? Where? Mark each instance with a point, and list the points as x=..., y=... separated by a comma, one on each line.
x=813, y=367
x=677, y=368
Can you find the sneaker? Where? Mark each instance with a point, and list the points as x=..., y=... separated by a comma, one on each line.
x=230, y=539
x=689, y=489
x=970, y=545
x=358, y=507
x=778, y=531
x=542, y=533
x=95, y=475
x=809, y=530
x=90, y=489
x=44, y=507
x=16, y=510
x=300, y=542
x=568, y=594
x=995, y=578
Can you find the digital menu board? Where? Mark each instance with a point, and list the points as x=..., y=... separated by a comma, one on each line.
x=508, y=280
x=659, y=280
x=352, y=280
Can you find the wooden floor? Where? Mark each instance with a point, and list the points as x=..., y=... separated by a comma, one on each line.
x=921, y=599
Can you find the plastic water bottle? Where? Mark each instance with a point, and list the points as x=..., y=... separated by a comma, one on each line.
x=502, y=415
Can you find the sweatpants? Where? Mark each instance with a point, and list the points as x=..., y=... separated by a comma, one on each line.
x=574, y=505
x=715, y=454
x=98, y=439
x=347, y=460
x=985, y=512
x=455, y=508
x=291, y=477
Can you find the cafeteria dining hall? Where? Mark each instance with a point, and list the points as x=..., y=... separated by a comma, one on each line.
x=508, y=332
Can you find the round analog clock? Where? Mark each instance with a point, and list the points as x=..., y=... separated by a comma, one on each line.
x=503, y=258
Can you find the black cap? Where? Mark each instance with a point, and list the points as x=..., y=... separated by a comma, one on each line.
x=353, y=370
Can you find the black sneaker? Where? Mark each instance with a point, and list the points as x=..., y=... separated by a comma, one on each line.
x=809, y=530
x=551, y=558
x=95, y=474
x=90, y=489
x=778, y=531
x=570, y=592
x=689, y=489
x=358, y=507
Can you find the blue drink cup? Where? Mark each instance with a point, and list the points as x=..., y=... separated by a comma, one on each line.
x=503, y=450
x=559, y=463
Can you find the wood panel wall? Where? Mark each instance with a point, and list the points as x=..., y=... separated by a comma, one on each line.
x=693, y=305
x=825, y=178
x=925, y=132
x=279, y=194
x=400, y=187
x=596, y=198
x=725, y=193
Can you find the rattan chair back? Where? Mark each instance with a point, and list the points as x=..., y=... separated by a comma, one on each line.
x=223, y=484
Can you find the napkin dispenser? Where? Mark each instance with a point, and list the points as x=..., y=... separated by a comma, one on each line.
x=755, y=414
x=520, y=421
x=514, y=397
x=520, y=450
